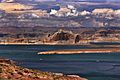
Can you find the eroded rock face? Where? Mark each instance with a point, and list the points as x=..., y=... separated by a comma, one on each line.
x=63, y=35
x=8, y=70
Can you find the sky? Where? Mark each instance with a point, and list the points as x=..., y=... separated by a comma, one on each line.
x=45, y=0
x=85, y=0
x=75, y=0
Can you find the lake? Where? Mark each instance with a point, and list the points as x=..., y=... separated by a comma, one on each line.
x=92, y=66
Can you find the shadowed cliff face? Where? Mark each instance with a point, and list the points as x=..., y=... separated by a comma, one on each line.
x=9, y=71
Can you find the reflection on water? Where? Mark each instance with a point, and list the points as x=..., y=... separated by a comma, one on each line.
x=93, y=66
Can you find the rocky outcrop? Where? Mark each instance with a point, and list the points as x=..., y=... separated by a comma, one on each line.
x=9, y=71
x=62, y=36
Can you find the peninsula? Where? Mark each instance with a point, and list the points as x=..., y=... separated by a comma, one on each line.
x=9, y=71
x=79, y=51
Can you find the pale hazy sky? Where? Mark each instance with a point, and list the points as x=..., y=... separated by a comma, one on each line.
x=84, y=0
x=80, y=0
x=45, y=0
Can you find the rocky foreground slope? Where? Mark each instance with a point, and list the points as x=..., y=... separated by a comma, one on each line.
x=9, y=71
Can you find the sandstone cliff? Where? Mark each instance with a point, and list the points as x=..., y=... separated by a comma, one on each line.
x=62, y=36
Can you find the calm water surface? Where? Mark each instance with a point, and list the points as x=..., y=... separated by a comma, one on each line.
x=93, y=66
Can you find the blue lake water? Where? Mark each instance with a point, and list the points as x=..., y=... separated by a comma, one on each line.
x=92, y=66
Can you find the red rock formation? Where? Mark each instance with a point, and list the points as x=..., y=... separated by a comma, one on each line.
x=63, y=36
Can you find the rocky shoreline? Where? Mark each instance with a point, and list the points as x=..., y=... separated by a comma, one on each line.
x=9, y=71
x=76, y=51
